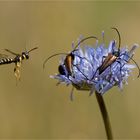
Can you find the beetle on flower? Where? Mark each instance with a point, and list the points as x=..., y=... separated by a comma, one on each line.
x=85, y=68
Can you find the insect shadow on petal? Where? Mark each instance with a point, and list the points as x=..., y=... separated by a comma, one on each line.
x=17, y=60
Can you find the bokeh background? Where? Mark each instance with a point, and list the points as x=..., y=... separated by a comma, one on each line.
x=36, y=107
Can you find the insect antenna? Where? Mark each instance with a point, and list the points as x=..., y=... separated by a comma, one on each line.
x=85, y=40
x=134, y=62
x=137, y=66
x=118, y=36
x=67, y=53
x=52, y=57
x=33, y=49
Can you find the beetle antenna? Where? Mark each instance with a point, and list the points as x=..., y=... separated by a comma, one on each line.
x=72, y=51
x=136, y=65
x=118, y=36
x=84, y=40
x=52, y=57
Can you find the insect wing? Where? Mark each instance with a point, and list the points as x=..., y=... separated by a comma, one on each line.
x=107, y=62
x=3, y=56
x=11, y=52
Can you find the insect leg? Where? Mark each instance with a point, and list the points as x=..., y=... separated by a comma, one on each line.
x=98, y=67
x=82, y=58
x=17, y=70
x=80, y=71
x=120, y=65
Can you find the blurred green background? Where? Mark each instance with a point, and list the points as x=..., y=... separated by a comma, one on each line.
x=36, y=107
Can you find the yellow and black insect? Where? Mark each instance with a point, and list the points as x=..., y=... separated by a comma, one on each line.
x=4, y=59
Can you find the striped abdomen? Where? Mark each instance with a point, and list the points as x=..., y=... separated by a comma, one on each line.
x=6, y=61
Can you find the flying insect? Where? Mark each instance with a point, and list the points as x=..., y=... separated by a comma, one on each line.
x=17, y=60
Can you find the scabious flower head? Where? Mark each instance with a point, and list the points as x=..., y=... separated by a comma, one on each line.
x=85, y=68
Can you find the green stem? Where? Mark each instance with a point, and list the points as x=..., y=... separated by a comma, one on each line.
x=104, y=115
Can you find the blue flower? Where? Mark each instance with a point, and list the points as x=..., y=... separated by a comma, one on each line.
x=86, y=74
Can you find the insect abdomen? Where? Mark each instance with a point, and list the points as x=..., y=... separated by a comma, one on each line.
x=6, y=61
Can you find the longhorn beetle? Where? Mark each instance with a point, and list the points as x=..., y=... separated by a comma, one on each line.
x=69, y=59
x=66, y=68
x=4, y=59
x=114, y=57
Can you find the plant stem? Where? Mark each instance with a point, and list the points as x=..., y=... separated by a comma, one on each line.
x=104, y=115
